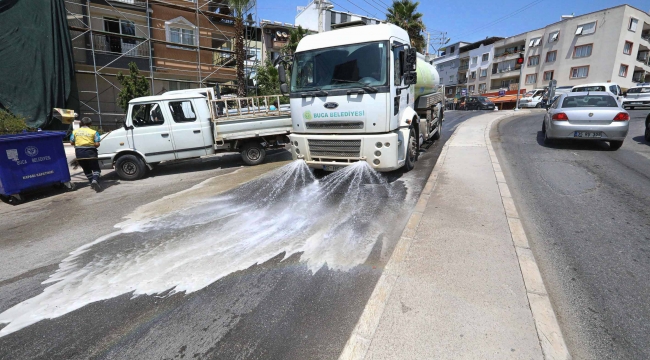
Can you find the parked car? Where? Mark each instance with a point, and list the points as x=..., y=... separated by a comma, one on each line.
x=586, y=116
x=637, y=97
x=612, y=88
x=479, y=103
x=532, y=99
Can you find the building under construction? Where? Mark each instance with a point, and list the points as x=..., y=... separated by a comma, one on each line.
x=176, y=44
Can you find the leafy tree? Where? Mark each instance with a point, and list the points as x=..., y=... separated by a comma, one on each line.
x=267, y=79
x=239, y=7
x=134, y=85
x=403, y=13
x=295, y=35
x=11, y=124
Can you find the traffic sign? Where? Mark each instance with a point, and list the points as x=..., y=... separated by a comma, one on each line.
x=502, y=92
x=463, y=92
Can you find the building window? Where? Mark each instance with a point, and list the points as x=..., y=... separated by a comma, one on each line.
x=483, y=73
x=345, y=18
x=474, y=60
x=622, y=71
x=473, y=75
x=579, y=72
x=535, y=42
x=485, y=57
x=176, y=85
x=627, y=48
x=633, y=24
x=582, y=51
x=481, y=88
x=531, y=78
x=450, y=91
x=332, y=18
x=533, y=60
x=586, y=29
x=551, y=55
x=452, y=49
x=554, y=36
x=472, y=88
x=451, y=78
x=180, y=31
x=548, y=75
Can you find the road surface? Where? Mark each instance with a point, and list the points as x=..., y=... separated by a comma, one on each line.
x=280, y=267
x=587, y=213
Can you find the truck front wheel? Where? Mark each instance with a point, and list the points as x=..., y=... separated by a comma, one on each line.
x=253, y=153
x=130, y=167
x=411, y=151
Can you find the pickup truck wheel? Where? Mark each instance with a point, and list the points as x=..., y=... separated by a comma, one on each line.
x=130, y=167
x=253, y=153
x=411, y=151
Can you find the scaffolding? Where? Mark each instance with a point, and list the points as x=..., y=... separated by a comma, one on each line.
x=108, y=34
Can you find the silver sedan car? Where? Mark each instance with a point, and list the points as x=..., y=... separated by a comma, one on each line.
x=592, y=115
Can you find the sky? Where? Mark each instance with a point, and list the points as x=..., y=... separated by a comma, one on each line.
x=469, y=20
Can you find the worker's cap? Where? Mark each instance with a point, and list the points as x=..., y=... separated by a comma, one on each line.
x=86, y=121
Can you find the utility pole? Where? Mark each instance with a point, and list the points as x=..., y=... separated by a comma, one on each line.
x=520, y=61
x=322, y=5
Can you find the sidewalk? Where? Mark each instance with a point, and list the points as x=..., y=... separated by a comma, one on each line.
x=453, y=287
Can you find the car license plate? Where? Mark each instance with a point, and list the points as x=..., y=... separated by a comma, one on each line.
x=331, y=167
x=587, y=134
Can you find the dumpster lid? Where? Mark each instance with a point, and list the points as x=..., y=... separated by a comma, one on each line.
x=32, y=135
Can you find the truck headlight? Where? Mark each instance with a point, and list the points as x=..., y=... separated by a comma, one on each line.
x=378, y=145
x=377, y=153
x=376, y=161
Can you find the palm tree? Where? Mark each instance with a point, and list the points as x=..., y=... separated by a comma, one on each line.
x=239, y=8
x=403, y=13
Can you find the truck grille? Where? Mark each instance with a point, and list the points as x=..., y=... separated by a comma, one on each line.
x=337, y=148
x=334, y=125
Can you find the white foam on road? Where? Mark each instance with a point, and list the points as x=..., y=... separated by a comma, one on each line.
x=335, y=221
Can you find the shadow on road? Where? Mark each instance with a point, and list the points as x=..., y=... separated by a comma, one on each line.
x=641, y=140
x=568, y=144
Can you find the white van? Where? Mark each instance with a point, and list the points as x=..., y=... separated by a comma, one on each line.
x=532, y=99
x=638, y=96
x=611, y=88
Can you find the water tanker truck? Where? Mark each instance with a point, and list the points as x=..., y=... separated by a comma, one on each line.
x=362, y=94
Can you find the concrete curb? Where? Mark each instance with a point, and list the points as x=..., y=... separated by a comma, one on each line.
x=548, y=329
x=359, y=342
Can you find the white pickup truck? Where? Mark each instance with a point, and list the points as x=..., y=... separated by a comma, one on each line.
x=192, y=123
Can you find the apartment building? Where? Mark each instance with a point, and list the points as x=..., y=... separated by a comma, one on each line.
x=505, y=70
x=610, y=45
x=475, y=61
x=308, y=16
x=176, y=44
x=448, y=65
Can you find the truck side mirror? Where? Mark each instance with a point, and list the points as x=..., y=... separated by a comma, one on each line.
x=282, y=74
x=410, y=78
x=410, y=60
x=284, y=89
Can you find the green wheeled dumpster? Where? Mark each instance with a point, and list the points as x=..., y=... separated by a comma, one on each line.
x=32, y=160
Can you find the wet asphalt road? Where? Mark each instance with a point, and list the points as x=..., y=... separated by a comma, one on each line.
x=587, y=214
x=277, y=309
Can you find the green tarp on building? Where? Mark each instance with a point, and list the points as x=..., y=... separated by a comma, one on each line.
x=36, y=63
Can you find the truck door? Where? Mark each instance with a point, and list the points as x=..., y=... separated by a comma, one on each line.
x=399, y=97
x=151, y=134
x=186, y=129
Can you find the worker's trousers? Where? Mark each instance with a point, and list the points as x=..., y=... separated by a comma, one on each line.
x=87, y=158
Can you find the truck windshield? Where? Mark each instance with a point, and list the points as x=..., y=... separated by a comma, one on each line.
x=341, y=67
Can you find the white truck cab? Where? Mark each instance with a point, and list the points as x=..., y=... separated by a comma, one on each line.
x=185, y=124
x=611, y=88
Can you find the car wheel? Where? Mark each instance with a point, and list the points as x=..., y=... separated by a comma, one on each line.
x=615, y=145
x=538, y=106
x=411, y=151
x=647, y=130
x=547, y=140
x=438, y=133
x=130, y=167
x=253, y=153
x=544, y=127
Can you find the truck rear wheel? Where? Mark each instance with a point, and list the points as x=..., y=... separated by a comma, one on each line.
x=438, y=133
x=130, y=167
x=411, y=151
x=253, y=153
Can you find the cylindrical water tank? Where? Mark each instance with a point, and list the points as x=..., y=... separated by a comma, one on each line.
x=428, y=78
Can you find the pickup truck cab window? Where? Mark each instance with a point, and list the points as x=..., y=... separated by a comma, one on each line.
x=147, y=115
x=182, y=111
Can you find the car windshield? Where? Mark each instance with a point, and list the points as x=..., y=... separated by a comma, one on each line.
x=589, y=101
x=589, y=88
x=341, y=67
x=639, y=90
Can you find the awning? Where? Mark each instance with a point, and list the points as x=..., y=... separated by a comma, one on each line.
x=503, y=99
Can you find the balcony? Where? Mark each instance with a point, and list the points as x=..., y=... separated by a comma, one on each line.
x=643, y=57
x=462, y=81
x=646, y=36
